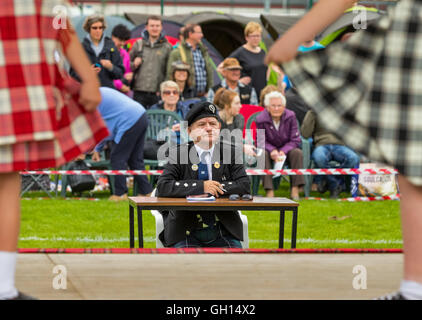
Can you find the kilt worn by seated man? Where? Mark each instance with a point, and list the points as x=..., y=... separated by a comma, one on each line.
x=199, y=167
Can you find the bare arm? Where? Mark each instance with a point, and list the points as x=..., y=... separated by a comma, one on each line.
x=322, y=14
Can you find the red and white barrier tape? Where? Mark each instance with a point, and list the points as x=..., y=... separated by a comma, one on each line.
x=356, y=199
x=198, y=250
x=359, y=199
x=252, y=172
x=61, y=199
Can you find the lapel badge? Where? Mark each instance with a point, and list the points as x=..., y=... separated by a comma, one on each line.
x=194, y=167
x=217, y=165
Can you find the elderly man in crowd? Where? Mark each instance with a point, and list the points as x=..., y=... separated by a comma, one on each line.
x=231, y=70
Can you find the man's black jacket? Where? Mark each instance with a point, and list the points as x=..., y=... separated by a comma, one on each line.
x=180, y=180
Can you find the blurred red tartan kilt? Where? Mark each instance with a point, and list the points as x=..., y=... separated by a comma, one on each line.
x=76, y=131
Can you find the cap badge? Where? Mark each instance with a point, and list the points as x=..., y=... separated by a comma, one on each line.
x=212, y=108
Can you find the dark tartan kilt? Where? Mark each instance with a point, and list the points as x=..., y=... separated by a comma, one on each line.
x=368, y=90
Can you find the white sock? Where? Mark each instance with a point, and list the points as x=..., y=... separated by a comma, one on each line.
x=411, y=290
x=7, y=275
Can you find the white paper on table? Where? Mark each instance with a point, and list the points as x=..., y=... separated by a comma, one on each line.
x=200, y=197
x=278, y=165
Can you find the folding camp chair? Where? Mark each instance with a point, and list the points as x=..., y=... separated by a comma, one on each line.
x=36, y=181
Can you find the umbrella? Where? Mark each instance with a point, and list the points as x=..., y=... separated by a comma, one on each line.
x=173, y=41
x=346, y=21
x=170, y=28
x=223, y=30
x=111, y=22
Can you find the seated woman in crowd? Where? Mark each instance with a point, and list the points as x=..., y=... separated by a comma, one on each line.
x=180, y=75
x=282, y=139
x=267, y=89
x=170, y=101
x=228, y=103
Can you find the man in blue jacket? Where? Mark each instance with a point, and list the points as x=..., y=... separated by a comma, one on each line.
x=127, y=122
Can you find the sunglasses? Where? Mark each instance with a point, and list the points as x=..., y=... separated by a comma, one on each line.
x=168, y=92
x=96, y=28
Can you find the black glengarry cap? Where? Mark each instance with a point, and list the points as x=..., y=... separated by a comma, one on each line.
x=202, y=109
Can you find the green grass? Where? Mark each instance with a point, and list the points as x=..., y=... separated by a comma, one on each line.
x=61, y=223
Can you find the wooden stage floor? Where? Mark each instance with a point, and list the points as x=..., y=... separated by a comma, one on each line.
x=208, y=276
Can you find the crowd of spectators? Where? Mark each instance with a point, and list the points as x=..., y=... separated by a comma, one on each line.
x=159, y=76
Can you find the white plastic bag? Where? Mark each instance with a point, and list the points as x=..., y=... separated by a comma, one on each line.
x=376, y=185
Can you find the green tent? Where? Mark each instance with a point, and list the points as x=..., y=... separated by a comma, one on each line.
x=346, y=22
x=224, y=31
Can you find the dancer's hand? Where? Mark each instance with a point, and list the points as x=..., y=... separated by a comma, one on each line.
x=89, y=95
x=283, y=50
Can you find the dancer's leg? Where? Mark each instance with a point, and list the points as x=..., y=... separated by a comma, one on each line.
x=10, y=185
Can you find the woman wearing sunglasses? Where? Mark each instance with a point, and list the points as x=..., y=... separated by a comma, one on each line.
x=170, y=101
x=101, y=51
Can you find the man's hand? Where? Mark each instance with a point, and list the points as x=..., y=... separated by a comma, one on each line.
x=245, y=80
x=81, y=157
x=137, y=61
x=95, y=156
x=213, y=187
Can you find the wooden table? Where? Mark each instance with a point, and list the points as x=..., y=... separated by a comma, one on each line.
x=221, y=204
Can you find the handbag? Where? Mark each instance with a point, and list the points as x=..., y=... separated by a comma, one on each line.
x=151, y=148
x=80, y=182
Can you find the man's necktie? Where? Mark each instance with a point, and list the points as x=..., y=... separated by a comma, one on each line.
x=203, y=167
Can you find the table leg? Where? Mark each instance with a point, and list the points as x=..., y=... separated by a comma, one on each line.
x=131, y=227
x=294, y=228
x=140, y=228
x=281, y=232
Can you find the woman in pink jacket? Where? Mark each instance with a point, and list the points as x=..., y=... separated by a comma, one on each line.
x=120, y=35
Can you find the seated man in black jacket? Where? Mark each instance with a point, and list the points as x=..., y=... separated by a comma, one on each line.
x=204, y=165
